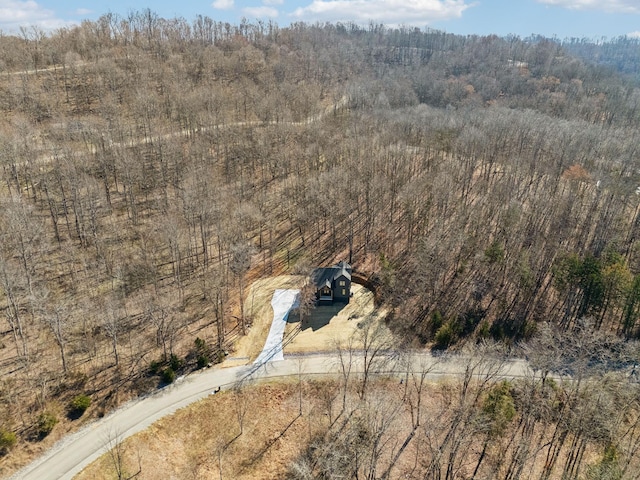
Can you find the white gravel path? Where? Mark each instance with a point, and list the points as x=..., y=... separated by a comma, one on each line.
x=283, y=302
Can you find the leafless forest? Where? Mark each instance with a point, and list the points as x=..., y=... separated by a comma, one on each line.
x=151, y=168
x=479, y=426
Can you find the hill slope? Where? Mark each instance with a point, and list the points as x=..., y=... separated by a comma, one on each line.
x=152, y=168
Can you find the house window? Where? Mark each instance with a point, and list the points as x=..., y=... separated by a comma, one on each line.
x=342, y=283
x=344, y=292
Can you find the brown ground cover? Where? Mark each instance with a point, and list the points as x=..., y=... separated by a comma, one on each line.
x=259, y=313
x=330, y=325
x=324, y=327
x=261, y=432
x=204, y=440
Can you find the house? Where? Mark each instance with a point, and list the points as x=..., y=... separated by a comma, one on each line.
x=333, y=284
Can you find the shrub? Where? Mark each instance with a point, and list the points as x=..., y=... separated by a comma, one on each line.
x=203, y=361
x=7, y=440
x=80, y=403
x=220, y=356
x=484, y=331
x=436, y=321
x=168, y=375
x=175, y=363
x=202, y=352
x=445, y=336
x=494, y=253
x=497, y=332
x=200, y=344
x=46, y=422
x=154, y=367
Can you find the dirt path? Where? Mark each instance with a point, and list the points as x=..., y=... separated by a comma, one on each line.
x=46, y=158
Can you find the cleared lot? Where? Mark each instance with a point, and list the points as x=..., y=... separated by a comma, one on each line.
x=327, y=326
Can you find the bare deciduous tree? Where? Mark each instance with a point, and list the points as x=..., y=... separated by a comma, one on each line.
x=377, y=343
x=117, y=451
x=239, y=264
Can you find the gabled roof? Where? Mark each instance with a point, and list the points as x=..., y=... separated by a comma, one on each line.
x=325, y=276
x=345, y=270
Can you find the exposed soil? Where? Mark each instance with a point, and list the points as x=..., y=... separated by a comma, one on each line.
x=330, y=325
x=322, y=329
x=259, y=313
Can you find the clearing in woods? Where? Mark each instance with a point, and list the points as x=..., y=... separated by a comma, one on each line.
x=324, y=326
x=330, y=325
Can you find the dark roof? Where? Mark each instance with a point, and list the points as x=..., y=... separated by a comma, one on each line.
x=326, y=275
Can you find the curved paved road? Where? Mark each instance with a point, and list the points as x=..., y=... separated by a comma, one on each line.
x=69, y=456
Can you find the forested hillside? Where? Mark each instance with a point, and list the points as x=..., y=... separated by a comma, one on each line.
x=151, y=168
x=620, y=54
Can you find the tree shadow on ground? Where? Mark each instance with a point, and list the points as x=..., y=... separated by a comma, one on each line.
x=317, y=318
x=257, y=456
x=74, y=414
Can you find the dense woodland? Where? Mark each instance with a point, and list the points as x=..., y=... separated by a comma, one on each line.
x=151, y=168
x=620, y=54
